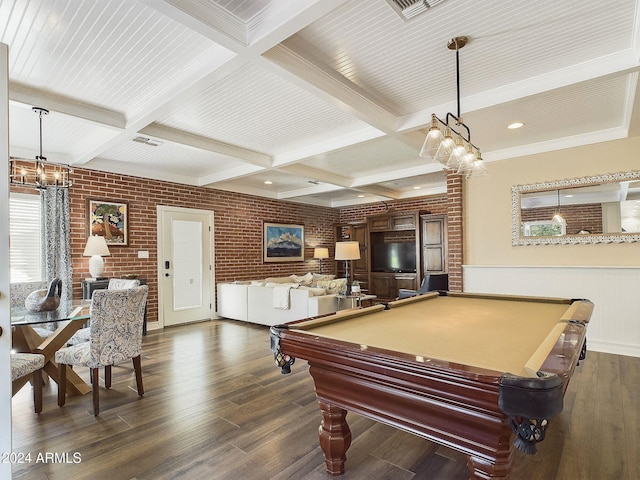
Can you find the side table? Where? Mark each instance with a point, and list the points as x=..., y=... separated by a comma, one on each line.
x=355, y=300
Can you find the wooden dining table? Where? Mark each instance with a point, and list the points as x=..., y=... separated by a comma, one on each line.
x=62, y=323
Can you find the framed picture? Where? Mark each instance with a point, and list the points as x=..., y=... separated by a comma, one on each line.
x=283, y=242
x=109, y=219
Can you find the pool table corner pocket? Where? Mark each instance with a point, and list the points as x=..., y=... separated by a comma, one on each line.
x=530, y=403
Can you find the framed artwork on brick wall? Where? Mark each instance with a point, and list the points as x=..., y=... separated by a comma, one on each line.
x=283, y=242
x=109, y=219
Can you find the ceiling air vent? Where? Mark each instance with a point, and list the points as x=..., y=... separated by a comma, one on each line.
x=408, y=9
x=147, y=141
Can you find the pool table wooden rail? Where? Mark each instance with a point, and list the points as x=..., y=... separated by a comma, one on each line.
x=451, y=404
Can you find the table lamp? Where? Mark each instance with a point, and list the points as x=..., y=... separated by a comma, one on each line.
x=96, y=248
x=320, y=253
x=347, y=251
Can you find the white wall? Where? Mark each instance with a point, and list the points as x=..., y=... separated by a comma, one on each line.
x=607, y=274
x=615, y=292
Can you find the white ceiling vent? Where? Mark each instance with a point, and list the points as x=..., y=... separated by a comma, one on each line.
x=147, y=141
x=408, y=9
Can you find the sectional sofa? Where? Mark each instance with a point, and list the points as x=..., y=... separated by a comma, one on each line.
x=281, y=299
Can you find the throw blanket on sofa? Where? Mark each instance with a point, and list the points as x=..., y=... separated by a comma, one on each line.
x=281, y=295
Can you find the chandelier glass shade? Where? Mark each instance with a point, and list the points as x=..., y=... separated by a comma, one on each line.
x=448, y=141
x=39, y=173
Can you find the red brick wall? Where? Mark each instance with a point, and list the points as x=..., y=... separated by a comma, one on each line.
x=455, y=189
x=578, y=217
x=237, y=222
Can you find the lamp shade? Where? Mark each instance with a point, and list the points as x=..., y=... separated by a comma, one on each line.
x=347, y=251
x=320, y=252
x=96, y=245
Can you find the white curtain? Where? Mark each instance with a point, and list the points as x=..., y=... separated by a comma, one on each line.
x=56, y=241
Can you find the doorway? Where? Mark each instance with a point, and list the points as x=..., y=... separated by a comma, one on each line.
x=185, y=265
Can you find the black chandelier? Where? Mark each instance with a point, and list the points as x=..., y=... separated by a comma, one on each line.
x=39, y=173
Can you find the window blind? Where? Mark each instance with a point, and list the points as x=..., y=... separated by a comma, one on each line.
x=25, y=245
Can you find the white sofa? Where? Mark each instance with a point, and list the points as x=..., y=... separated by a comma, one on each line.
x=255, y=303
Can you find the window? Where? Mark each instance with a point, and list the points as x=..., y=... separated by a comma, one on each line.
x=25, y=244
x=543, y=228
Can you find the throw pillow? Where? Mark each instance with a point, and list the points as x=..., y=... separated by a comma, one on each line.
x=302, y=280
x=317, y=277
x=335, y=286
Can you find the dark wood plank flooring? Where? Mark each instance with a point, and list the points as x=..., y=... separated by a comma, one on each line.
x=216, y=407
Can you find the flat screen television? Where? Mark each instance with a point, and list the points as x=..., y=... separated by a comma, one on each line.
x=394, y=257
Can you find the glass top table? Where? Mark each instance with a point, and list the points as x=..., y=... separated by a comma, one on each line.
x=75, y=311
x=62, y=323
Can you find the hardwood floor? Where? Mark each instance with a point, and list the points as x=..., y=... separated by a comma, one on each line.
x=216, y=407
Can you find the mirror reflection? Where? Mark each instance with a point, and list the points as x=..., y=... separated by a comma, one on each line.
x=594, y=209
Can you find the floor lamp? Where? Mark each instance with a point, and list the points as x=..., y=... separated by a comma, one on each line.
x=320, y=253
x=347, y=251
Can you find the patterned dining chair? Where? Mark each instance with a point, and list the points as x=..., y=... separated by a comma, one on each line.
x=115, y=337
x=23, y=364
x=122, y=283
x=83, y=334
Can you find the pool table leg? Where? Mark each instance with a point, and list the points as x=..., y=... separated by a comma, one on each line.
x=335, y=437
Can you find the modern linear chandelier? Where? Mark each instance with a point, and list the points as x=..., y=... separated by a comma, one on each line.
x=39, y=173
x=449, y=142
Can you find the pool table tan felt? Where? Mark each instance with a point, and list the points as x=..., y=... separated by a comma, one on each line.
x=454, y=368
x=487, y=333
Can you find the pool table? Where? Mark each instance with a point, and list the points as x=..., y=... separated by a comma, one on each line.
x=476, y=373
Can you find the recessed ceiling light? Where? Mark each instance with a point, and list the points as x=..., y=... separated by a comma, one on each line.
x=416, y=188
x=515, y=125
x=268, y=182
x=360, y=196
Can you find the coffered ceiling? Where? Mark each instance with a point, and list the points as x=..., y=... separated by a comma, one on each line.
x=326, y=99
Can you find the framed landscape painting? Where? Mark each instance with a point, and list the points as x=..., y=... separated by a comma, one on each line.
x=109, y=219
x=283, y=242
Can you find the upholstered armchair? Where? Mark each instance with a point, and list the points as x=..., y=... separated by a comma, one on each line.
x=83, y=334
x=431, y=282
x=23, y=364
x=115, y=337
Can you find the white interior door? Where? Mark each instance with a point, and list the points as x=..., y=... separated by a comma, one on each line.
x=185, y=266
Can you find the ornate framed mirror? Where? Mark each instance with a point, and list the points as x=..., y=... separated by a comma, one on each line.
x=595, y=209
